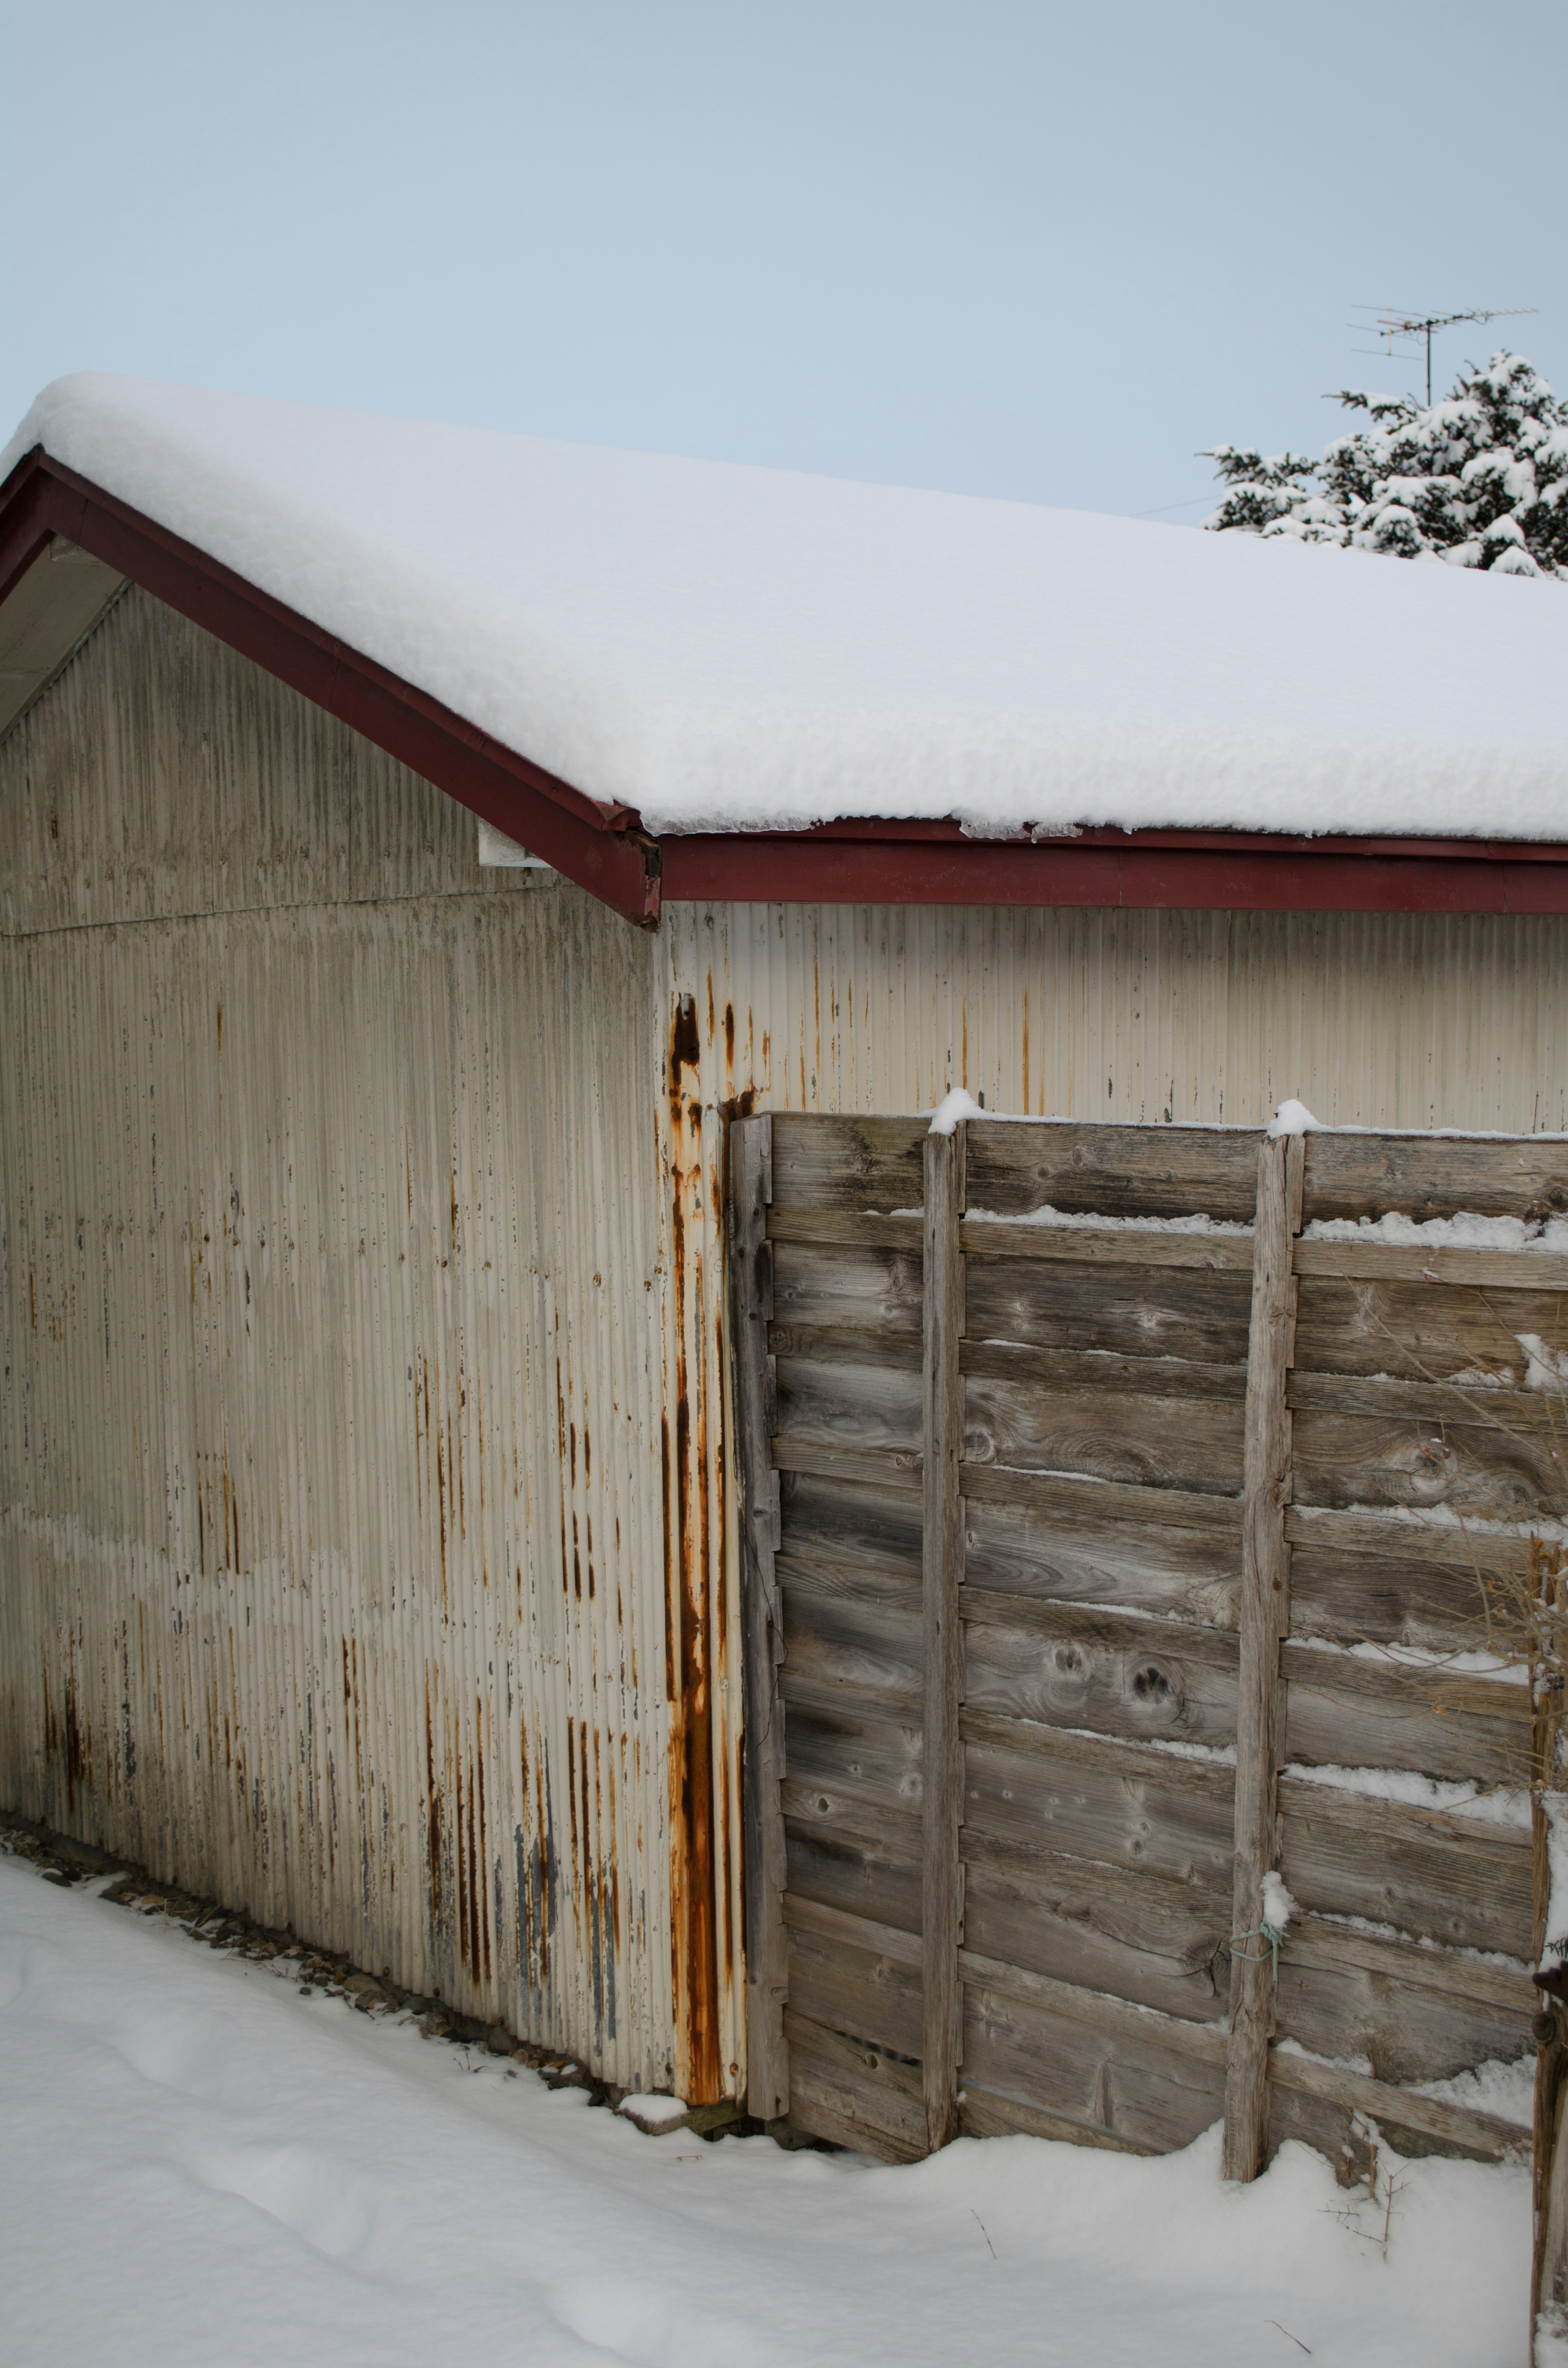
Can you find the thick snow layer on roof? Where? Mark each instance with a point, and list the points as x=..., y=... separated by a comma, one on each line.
x=738, y=648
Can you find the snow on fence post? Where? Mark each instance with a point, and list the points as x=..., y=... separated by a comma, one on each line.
x=1265, y=1617
x=941, y=1918
x=767, y=1956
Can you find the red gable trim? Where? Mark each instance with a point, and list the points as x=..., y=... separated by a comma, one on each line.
x=604, y=849
x=599, y=847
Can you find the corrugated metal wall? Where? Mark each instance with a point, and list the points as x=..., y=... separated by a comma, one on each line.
x=336, y=1283
x=1375, y=1019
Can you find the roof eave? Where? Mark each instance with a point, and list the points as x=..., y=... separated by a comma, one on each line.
x=878, y=862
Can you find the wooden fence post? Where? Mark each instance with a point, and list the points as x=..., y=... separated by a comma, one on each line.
x=751, y=1311
x=942, y=1919
x=1265, y=1619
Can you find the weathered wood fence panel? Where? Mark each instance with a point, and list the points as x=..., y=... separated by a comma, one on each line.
x=1113, y=1511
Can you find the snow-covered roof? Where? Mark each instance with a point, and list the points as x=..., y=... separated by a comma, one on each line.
x=729, y=648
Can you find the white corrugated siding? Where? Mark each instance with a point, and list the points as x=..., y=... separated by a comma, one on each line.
x=336, y=1287
x=1375, y=1019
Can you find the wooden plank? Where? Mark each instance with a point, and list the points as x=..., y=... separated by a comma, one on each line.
x=852, y=2094
x=826, y=1518
x=1419, y=1331
x=1383, y=1537
x=845, y=1637
x=1204, y=2040
x=1104, y=1928
x=1386, y=2002
x=1123, y=1310
x=1218, y=1518
x=894, y=1470
x=847, y=1162
x=838, y=1283
x=767, y=2066
x=1346, y=1712
x=1455, y=1880
x=1108, y=1245
x=1526, y=1270
x=988, y=2113
x=834, y=1741
x=1113, y=1171
x=1143, y=2088
x=1096, y=1670
x=860, y=1991
x=859, y=1229
x=866, y=1873
x=1478, y=1472
x=1353, y=1175
x=854, y=1931
x=1122, y=1804
x=1156, y=1442
x=845, y=1344
x=1265, y=1617
x=856, y=1409
x=1100, y=1373
x=1506, y=1409
x=941, y=1904
x=1070, y=1548
x=1480, y=2135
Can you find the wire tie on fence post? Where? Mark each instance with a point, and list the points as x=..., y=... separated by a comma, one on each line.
x=1271, y=1934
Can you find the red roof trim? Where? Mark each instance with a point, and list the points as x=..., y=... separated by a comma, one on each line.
x=878, y=862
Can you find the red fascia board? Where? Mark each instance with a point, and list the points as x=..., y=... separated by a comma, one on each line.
x=599, y=848
x=1134, y=870
x=879, y=860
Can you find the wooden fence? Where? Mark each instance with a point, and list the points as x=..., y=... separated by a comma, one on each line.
x=1095, y=1568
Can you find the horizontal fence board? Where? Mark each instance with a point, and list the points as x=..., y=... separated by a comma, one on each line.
x=826, y=1519
x=986, y=2113
x=834, y=1283
x=1460, y=1882
x=1409, y=2030
x=893, y=1469
x=1342, y=1712
x=1153, y=1442
x=1481, y=2135
x=1097, y=1799
x=1128, y=1311
x=1492, y=1475
x=857, y=1872
x=1420, y=1331
x=1147, y=2089
x=838, y=1806
x=847, y=1162
x=858, y=1991
x=856, y=1230
x=1524, y=1270
x=845, y=1344
x=865, y=1648
x=1201, y=2037
x=1100, y=1374
x=851, y=2094
x=1433, y=1175
x=1048, y=1492
x=1420, y=1544
x=1061, y=1667
x=861, y=1410
x=1100, y=1246
x=1111, y=1171
x=1506, y=1409
x=1087, y=1555
x=1159, y=1943
x=831, y=1742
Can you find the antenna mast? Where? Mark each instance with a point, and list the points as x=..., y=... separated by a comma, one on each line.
x=1392, y=322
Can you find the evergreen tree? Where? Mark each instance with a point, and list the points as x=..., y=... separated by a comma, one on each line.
x=1479, y=481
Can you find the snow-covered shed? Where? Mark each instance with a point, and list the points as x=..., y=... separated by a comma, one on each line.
x=368, y=1485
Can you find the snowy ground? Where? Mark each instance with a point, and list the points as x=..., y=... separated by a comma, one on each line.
x=198, y=2164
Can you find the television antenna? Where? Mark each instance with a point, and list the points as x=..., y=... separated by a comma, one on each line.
x=1393, y=321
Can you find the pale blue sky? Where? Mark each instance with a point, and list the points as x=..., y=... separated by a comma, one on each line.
x=1031, y=250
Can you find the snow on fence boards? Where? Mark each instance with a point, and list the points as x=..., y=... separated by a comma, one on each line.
x=1104, y=1372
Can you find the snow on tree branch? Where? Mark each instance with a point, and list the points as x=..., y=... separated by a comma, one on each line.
x=1478, y=481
